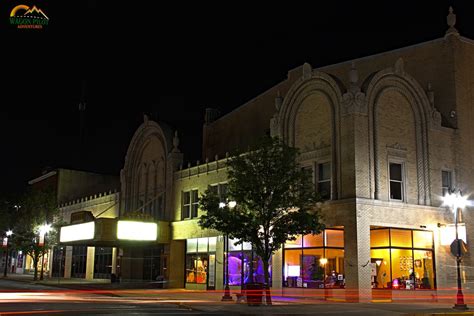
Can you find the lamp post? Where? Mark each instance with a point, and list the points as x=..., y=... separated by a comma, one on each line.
x=227, y=296
x=323, y=262
x=8, y=233
x=456, y=201
x=44, y=229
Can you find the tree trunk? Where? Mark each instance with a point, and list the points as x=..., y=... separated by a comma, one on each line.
x=268, y=296
x=35, y=264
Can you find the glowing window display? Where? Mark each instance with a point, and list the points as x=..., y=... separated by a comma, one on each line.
x=311, y=264
x=404, y=261
x=200, y=258
x=245, y=264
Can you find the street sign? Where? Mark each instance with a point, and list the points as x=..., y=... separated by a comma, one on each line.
x=455, y=251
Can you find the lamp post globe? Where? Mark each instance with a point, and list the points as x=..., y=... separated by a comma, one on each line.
x=8, y=234
x=43, y=230
x=227, y=296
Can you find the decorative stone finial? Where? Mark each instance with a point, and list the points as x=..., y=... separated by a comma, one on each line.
x=353, y=101
x=353, y=74
x=278, y=101
x=430, y=94
x=400, y=66
x=307, y=71
x=175, y=142
x=451, y=20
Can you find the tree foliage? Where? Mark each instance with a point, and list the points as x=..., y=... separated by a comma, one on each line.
x=275, y=200
x=38, y=207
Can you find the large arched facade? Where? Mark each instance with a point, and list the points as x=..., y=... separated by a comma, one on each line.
x=395, y=99
x=144, y=177
x=147, y=186
x=309, y=119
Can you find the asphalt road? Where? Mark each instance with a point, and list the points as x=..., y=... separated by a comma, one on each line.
x=20, y=298
x=27, y=298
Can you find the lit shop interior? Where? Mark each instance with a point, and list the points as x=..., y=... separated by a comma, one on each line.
x=400, y=259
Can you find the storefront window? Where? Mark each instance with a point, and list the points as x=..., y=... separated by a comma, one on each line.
x=400, y=238
x=424, y=268
x=196, y=268
x=78, y=262
x=235, y=268
x=313, y=273
x=102, y=262
x=297, y=243
x=404, y=263
x=312, y=265
x=422, y=239
x=380, y=268
x=379, y=238
x=334, y=238
x=402, y=269
x=198, y=252
x=313, y=240
x=191, y=245
x=243, y=264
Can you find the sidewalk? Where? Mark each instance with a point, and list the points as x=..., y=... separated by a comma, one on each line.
x=78, y=283
x=210, y=301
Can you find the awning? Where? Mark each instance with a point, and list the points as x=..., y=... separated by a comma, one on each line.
x=113, y=232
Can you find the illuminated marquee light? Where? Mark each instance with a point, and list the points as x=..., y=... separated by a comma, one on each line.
x=131, y=230
x=76, y=232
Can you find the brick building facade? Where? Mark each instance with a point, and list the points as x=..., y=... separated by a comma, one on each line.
x=385, y=134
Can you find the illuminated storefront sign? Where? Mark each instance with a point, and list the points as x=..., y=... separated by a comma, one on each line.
x=448, y=233
x=132, y=230
x=77, y=232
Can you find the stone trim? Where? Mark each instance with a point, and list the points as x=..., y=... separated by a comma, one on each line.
x=201, y=169
x=90, y=201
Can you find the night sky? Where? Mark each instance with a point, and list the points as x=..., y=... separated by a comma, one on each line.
x=172, y=61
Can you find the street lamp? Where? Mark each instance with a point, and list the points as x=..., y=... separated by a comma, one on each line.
x=456, y=201
x=43, y=230
x=227, y=296
x=8, y=233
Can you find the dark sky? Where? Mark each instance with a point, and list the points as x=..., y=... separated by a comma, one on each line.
x=173, y=61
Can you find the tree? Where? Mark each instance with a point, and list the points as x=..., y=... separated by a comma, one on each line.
x=7, y=212
x=38, y=207
x=275, y=200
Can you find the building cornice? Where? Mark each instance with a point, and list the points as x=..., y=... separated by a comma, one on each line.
x=45, y=176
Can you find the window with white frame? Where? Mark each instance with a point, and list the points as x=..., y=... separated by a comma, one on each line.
x=324, y=180
x=186, y=205
x=220, y=190
x=446, y=181
x=396, y=181
x=309, y=170
x=194, y=203
x=190, y=204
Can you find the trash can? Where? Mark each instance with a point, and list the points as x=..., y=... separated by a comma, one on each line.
x=254, y=294
x=113, y=278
